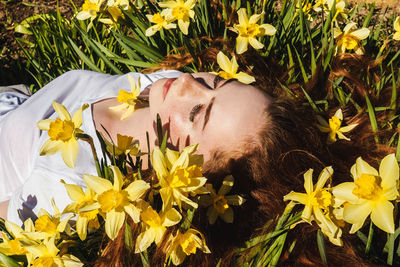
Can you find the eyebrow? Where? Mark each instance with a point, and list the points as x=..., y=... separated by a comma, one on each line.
x=208, y=111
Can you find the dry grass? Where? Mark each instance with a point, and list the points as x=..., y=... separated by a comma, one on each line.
x=379, y=3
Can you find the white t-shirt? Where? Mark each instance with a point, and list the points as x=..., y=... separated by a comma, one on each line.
x=30, y=180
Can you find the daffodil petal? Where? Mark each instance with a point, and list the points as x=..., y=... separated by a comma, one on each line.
x=344, y=191
x=171, y=217
x=51, y=146
x=152, y=30
x=133, y=212
x=158, y=162
x=306, y=214
x=241, y=44
x=298, y=197
x=256, y=17
x=245, y=78
x=362, y=167
x=227, y=216
x=81, y=227
x=44, y=125
x=144, y=240
x=75, y=192
x=70, y=152
x=361, y=34
x=348, y=27
x=136, y=189
x=118, y=178
x=356, y=214
x=83, y=15
x=339, y=114
x=128, y=112
x=268, y=29
x=348, y=128
x=97, y=184
x=308, y=182
x=212, y=215
x=77, y=118
x=389, y=171
x=226, y=186
x=114, y=222
x=255, y=43
x=235, y=200
x=224, y=62
x=119, y=107
x=183, y=26
x=382, y=216
x=325, y=174
x=61, y=111
x=242, y=16
x=396, y=36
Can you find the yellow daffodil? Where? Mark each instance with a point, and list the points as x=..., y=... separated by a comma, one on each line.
x=125, y=145
x=317, y=203
x=370, y=193
x=179, y=175
x=124, y=4
x=13, y=246
x=160, y=22
x=86, y=219
x=47, y=225
x=127, y=99
x=306, y=7
x=219, y=205
x=350, y=39
x=46, y=254
x=62, y=134
x=185, y=244
x=179, y=10
x=114, y=201
x=333, y=127
x=115, y=13
x=154, y=226
x=327, y=5
x=230, y=68
x=249, y=30
x=89, y=11
x=396, y=27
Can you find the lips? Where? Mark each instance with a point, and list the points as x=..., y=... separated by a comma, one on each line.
x=166, y=87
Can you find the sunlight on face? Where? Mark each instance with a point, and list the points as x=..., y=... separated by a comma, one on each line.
x=217, y=118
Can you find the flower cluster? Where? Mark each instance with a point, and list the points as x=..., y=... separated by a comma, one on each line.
x=371, y=194
x=111, y=203
x=92, y=8
x=39, y=241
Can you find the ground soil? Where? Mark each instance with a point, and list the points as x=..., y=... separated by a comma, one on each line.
x=13, y=12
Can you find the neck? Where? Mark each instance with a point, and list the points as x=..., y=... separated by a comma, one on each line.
x=136, y=125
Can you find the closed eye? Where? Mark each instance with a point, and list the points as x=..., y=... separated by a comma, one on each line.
x=203, y=82
x=195, y=110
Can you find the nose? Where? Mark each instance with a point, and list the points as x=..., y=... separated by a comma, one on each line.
x=187, y=85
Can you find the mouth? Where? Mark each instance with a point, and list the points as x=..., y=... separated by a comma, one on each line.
x=166, y=87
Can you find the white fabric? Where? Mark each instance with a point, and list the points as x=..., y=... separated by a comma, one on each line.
x=10, y=101
x=30, y=180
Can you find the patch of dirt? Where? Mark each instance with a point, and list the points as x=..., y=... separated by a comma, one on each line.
x=12, y=12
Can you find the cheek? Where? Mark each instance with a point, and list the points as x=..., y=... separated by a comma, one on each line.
x=179, y=124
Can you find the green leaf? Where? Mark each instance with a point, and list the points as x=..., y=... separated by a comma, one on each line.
x=8, y=261
x=321, y=247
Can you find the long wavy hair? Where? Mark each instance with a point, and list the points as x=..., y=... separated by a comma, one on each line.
x=289, y=143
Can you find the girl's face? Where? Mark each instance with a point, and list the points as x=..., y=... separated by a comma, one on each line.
x=205, y=109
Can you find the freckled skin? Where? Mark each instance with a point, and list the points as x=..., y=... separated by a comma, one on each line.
x=237, y=111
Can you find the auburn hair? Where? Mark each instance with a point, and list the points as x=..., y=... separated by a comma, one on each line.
x=289, y=143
